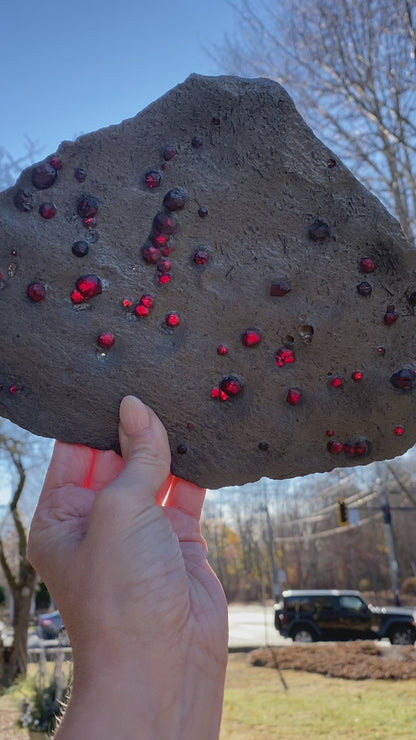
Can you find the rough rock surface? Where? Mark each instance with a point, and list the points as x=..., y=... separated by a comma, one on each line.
x=219, y=203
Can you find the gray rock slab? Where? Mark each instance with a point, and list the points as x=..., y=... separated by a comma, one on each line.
x=214, y=258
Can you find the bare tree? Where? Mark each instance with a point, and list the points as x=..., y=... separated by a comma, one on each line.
x=11, y=167
x=20, y=576
x=350, y=66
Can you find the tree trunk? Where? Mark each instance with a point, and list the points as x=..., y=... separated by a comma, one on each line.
x=15, y=657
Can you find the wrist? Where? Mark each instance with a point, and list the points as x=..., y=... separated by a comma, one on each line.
x=167, y=694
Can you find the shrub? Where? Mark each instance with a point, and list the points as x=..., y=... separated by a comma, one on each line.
x=409, y=586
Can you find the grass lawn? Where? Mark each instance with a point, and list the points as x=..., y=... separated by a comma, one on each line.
x=257, y=706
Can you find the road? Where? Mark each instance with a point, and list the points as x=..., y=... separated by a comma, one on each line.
x=252, y=625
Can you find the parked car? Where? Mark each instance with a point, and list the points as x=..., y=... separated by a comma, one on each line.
x=306, y=616
x=51, y=627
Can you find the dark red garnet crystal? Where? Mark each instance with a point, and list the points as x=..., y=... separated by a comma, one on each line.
x=106, y=340
x=175, y=199
x=357, y=447
x=336, y=382
x=335, y=447
x=390, y=316
x=89, y=286
x=231, y=385
x=152, y=179
x=23, y=200
x=169, y=152
x=80, y=174
x=201, y=257
x=284, y=356
x=251, y=337
x=48, y=210
x=197, y=142
x=77, y=297
x=182, y=449
x=263, y=446
x=164, y=223
x=56, y=162
x=294, y=395
x=87, y=207
x=222, y=349
x=403, y=379
x=202, y=212
x=357, y=376
x=164, y=265
x=36, y=292
x=280, y=288
x=80, y=248
x=399, y=430
x=147, y=300
x=367, y=265
x=364, y=289
x=319, y=231
x=150, y=254
x=44, y=176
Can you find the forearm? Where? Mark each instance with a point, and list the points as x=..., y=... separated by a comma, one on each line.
x=161, y=698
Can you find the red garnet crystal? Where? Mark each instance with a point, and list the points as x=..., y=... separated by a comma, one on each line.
x=175, y=199
x=36, y=292
x=222, y=349
x=44, y=176
x=280, y=288
x=357, y=376
x=147, y=300
x=294, y=395
x=329, y=432
x=172, y=319
x=284, y=356
x=87, y=207
x=169, y=152
x=13, y=389
x=80, y=174
x=335, y=447
x=77, y=297
x=158, y=240
x=164, y=223
x=390, y=316
x=403, y=379
x=89, y=286
x=23, y=200
x=164, y=265
x=381, y=351
x=150, y=254
x=357, y=447
x=48, y=210
x=399, y=430
x=141, y=311
x=202, y=212
x=251, y=337
x=231, y=385
x=106, y=340
x=367, y=265
x=152, y=179
x=201, y=257
x=56, y=162
x=336, y=382
x=319, y=231
x=164, y=277
x=127, y=303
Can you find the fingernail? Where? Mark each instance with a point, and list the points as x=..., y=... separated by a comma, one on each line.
x=134, y=415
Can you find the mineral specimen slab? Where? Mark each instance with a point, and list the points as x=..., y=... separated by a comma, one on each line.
x=214, y=258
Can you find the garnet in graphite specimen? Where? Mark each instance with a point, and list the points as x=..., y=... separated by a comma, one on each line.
x=48, y=210
x=364, y=289
x=44, y=176
x=335, y=447
x=89, y=286
x=164, y=223
x=231, y=385
x=367, y=265
x=319, y=231
x=152, y=179
x=172, y=319
x=106, y=340
x=403, y=379
x=23, y=200
x=80, y=174
x=87, y=207
x=251, y=337
x=284, y=356
x=169, y=152
x=36, y=292
x=201, y=257
x=280, y=288
x=294, y=395
x=175, y=199
x=80, y=248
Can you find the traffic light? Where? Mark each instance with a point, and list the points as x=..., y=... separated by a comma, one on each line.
x=342, y=512
x=386, y=514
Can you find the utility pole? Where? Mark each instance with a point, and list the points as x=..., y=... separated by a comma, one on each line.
x=390, y=550
x=270, y=539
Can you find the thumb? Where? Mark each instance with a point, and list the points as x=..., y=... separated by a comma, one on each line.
x=145, y=450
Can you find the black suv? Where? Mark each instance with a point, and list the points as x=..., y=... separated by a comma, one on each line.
x=306, y=616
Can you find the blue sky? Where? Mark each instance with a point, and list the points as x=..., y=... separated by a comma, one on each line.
x=72, y=66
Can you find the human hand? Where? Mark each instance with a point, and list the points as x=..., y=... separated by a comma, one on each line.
x=118, y=544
